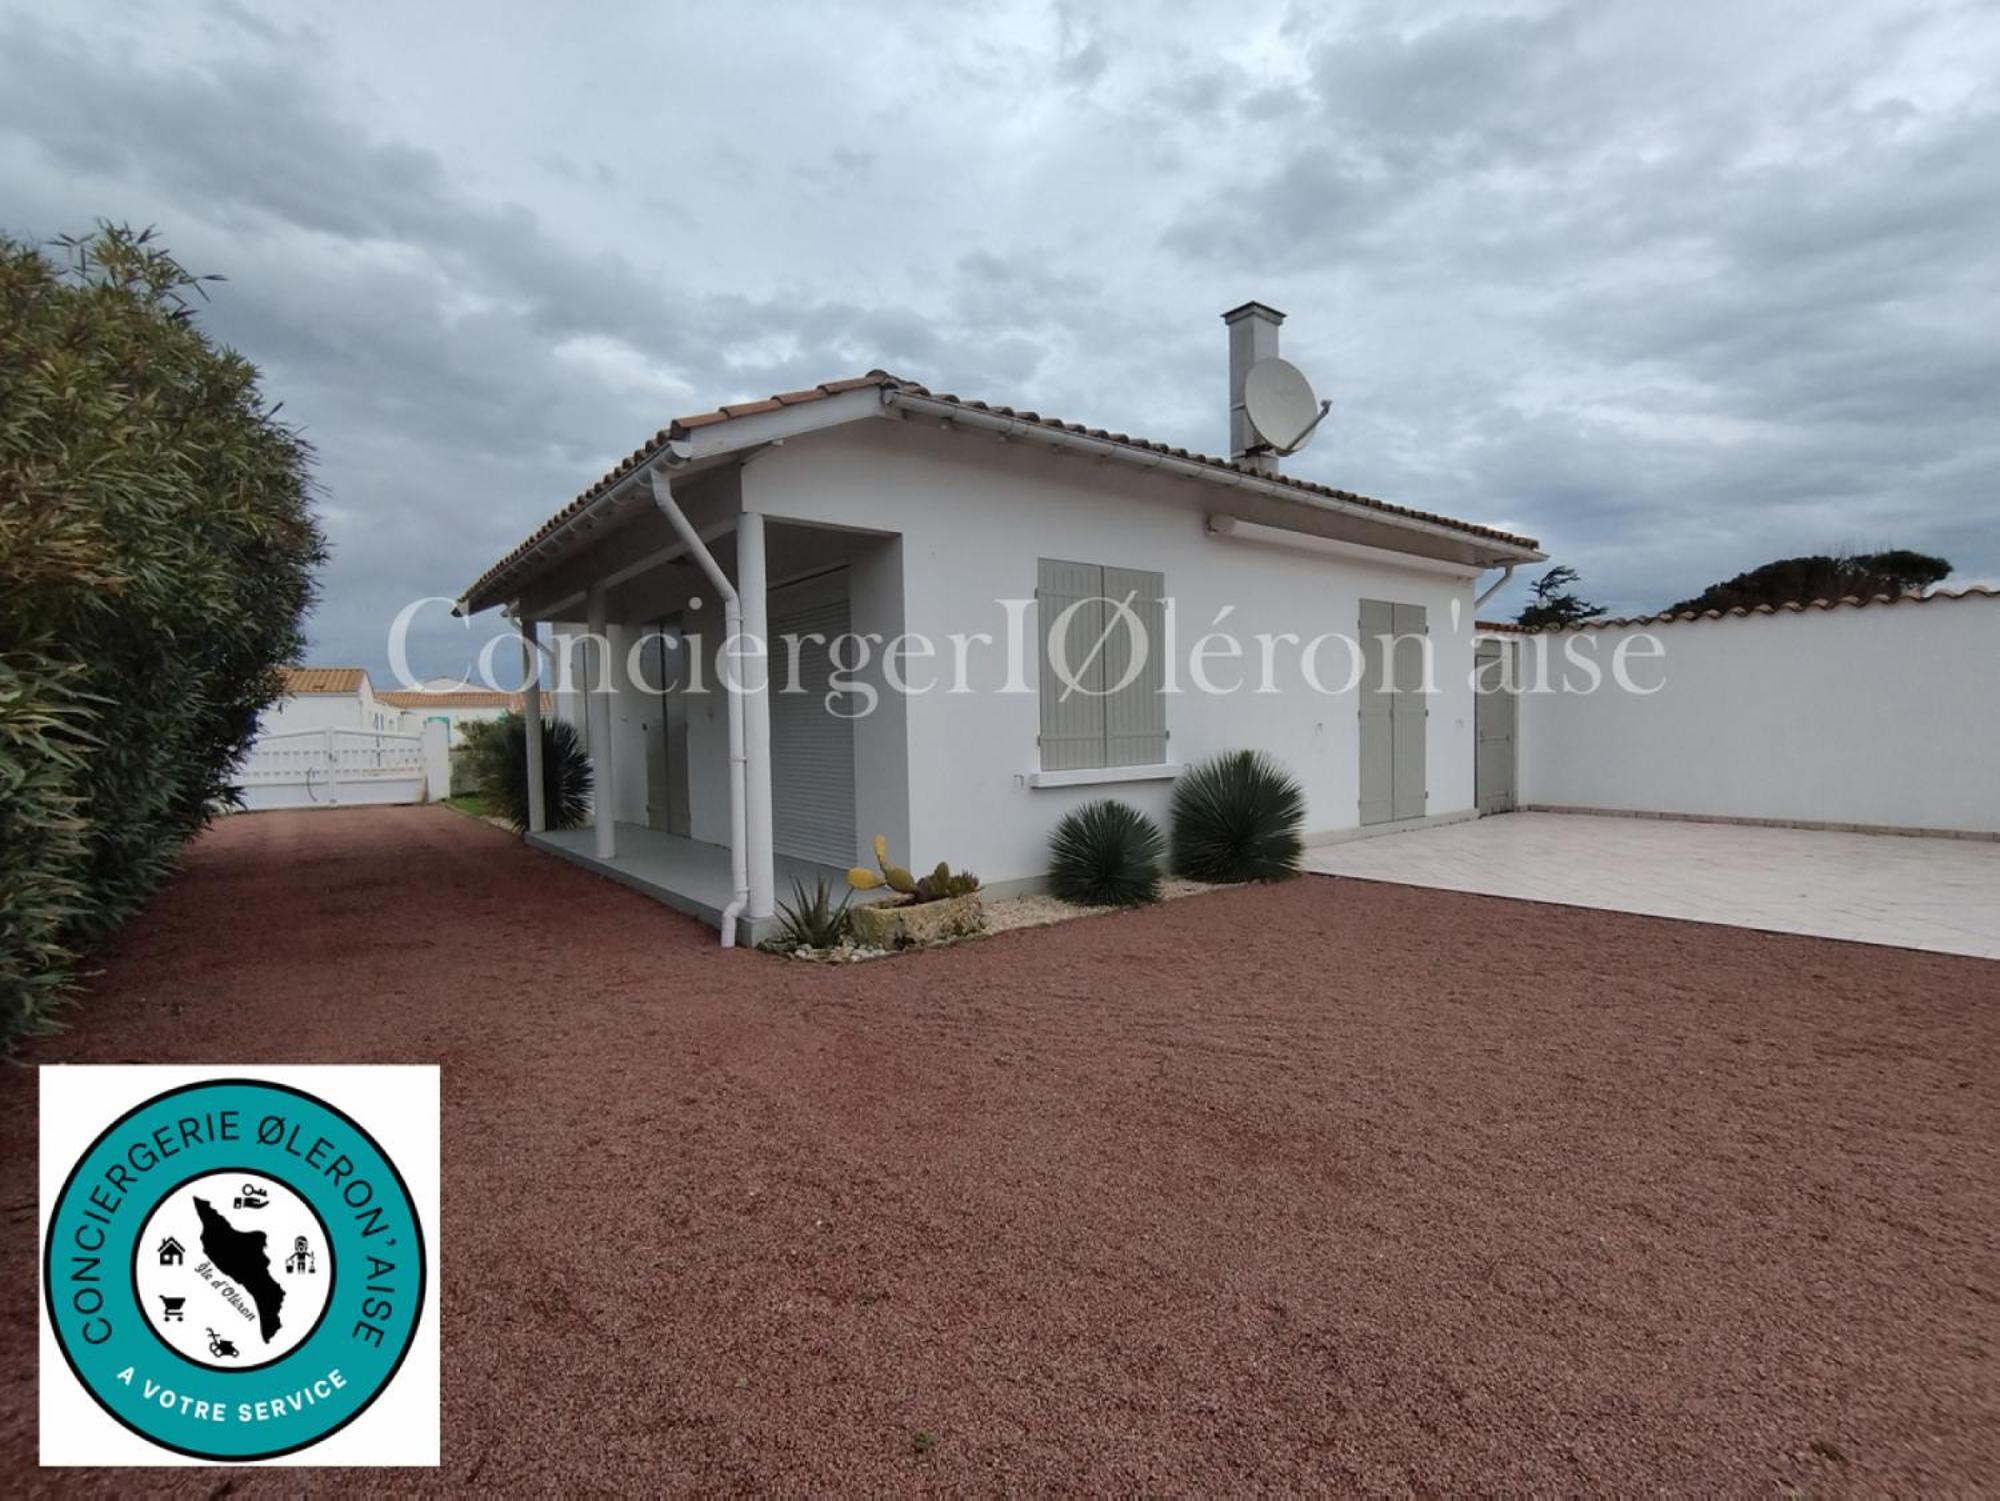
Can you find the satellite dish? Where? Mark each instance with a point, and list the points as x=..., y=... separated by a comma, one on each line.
x=1280, y=405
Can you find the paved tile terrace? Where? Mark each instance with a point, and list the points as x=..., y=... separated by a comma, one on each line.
x=1919, y=893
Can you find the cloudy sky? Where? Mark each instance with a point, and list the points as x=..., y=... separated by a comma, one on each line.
x=1677, y=288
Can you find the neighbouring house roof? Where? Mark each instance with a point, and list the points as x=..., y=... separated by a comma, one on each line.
x=882, y=380
x=303, y=680
x=469, y=698
x=1742, y=612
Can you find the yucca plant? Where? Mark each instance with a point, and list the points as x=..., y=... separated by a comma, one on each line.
x=812, y=922
x=1237, y=817
x=503, y=772
x=1106, y=854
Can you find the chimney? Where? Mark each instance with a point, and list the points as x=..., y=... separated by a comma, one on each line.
x=1253, y=336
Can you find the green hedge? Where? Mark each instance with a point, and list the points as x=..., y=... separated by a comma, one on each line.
x=157, y=553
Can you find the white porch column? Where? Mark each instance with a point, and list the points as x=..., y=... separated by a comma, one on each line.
x=755, y=680
x=597, y=694
x=531, y=717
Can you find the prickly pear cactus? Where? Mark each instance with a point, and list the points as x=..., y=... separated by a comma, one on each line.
x=936, y=886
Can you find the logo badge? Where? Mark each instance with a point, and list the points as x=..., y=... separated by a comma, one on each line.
x=235, y=1269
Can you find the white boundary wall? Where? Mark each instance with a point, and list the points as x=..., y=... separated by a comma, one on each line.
x=1882, y=716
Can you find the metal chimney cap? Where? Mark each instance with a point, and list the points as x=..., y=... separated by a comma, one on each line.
x=1251, y=309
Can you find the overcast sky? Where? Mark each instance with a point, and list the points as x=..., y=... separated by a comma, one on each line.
x=1677, y=288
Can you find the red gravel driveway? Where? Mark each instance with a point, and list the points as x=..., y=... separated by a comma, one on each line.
x=1330, y=1186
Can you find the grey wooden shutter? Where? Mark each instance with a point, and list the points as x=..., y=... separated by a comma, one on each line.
x=1493, y=722
x=1135, y=716
x=1411, y=711
x=1072, y=719
x=1378, y=731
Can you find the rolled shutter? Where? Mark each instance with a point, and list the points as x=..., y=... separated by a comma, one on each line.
x=812, y=748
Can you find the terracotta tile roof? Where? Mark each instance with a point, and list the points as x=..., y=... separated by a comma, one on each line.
x=471, y=698
x=680, y=427
x=323, y=679
x=1741, y=612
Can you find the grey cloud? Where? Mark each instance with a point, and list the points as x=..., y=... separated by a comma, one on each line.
x=1675, y=302
x=1721, y=315
x=1081, y=55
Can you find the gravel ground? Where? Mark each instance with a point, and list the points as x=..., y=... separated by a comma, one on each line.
x=1328, y=1186
x=1040, y=911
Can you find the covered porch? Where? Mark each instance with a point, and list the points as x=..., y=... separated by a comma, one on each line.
x=695, y=645
x=687, y=874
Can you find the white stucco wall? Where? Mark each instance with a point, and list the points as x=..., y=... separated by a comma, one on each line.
x=632, y=712
x=1885, y=715
x=707, y=735
x=975, y=516
x=319, y=711
x=454, y=717
x=633, y=708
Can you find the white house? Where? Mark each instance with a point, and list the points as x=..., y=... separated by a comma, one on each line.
x=779, y=543
x=320, y=698
x=452, y=705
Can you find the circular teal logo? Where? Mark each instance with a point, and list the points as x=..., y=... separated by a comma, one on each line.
x=234, y=1270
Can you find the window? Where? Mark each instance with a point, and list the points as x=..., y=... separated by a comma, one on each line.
x=1101, y=682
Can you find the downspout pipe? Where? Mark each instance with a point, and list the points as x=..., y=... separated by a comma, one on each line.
x=1506, y=573
x=732, y=624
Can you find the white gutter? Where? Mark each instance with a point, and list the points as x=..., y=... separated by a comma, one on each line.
x=1146, y=458
x=732, y=617
x=1238, y=530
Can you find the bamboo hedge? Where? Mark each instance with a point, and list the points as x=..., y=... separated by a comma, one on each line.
x=157, y=558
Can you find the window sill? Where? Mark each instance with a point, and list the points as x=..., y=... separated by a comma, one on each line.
x=1088, y=775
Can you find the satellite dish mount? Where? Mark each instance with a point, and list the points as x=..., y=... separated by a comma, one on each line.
x=1272, y=409
x=1279, y=402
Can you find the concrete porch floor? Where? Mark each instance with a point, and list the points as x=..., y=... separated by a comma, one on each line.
x=1940, y=894
x=686, y=874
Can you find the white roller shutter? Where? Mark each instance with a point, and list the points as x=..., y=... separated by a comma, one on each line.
x=812, y=748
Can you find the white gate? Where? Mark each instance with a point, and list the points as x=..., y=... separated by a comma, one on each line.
x=336, y=767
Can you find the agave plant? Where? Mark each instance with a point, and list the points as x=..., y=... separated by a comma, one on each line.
x=503, y=772
x=1237, y=818
x=812, y=922
x=1106, y=854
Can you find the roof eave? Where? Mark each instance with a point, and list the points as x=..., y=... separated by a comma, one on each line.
x=686, y=449
x=1494, y=548
x=713, y=438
